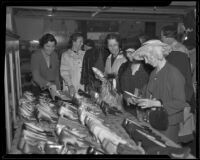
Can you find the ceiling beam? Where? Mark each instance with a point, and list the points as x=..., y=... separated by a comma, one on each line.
x=143, y=10
x=101, y=16
x=183, y=3
x=179, y=10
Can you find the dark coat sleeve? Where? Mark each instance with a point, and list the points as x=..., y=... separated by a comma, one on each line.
x=57, y=62
x=100, y=63
x=177, y=102
x=35, y=69
x=182, y=63
x=84, y=69
x=121, y=70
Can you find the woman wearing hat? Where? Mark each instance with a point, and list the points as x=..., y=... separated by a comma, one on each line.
x=165, y=87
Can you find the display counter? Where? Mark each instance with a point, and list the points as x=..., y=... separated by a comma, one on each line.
x=77, y=127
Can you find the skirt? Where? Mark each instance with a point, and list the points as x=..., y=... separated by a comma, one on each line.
x=172, y=132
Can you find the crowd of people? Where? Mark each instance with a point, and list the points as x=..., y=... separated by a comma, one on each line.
x=160, y=71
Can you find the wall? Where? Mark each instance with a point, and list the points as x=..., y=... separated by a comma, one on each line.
x=29, y=28
x=128, y=29
x=61, y=29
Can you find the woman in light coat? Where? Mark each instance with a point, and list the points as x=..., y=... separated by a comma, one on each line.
x=116, y=57
x=71, y=64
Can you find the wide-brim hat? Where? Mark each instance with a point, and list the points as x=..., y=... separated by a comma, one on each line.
x=149, y=46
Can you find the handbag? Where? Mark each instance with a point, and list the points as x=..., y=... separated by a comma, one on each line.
x=158, y=118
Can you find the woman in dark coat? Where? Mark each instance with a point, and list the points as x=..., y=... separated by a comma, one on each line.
x=132, y=75
x=45, y=65
x=165, y=87
x=89, y=60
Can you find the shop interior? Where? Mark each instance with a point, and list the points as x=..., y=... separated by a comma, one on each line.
x=27, y=130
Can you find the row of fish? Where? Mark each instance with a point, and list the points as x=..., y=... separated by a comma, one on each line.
x=27, y=106
x=33, y=138
x=41, y=108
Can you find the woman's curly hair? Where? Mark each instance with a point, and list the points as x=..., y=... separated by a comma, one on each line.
x=47, y=38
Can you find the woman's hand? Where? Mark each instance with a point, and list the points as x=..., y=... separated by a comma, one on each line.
x=48, y=84
x=148, y=103
x=53, y=90
x=52, y=86
x=129, y=100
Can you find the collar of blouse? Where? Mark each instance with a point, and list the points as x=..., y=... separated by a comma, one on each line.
x=75, y=54
x=119, y=55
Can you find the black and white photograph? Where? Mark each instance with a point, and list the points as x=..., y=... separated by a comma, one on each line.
x=101, y=80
